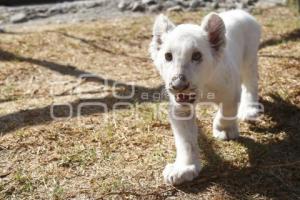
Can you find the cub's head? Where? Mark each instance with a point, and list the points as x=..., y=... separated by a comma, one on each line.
x=186, y=55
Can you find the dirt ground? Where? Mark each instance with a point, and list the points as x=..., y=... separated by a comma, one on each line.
x=96, y=152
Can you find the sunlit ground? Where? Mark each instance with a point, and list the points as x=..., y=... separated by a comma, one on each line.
x=109, y=152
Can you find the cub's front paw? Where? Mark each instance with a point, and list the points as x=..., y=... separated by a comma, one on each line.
x=177, y=174
x=228, y=133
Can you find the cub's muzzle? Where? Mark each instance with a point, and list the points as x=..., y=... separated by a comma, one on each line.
x=179, y=83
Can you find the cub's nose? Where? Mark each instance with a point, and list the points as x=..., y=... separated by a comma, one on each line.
x=179, y=83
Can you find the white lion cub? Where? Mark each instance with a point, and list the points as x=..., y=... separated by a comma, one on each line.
x=218, y=57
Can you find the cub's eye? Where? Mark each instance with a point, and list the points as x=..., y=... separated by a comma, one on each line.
x=197, y=56
x=168, y=56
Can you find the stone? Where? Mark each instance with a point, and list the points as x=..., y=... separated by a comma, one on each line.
x=182, y=3
x=58, y=9
x=215, y=5
x=175, y=9
x=19, y=17
x=219, y=10
x=155, y=8
x=265, y=5
x=124, y=5
x=231, y=6
x=240, y=5
x=92, y=4
x=228, y=4
x=138, y=7
x=194, y=4
x=250, y=2
x=245, y=1
x=169, y=4
x=149, y=2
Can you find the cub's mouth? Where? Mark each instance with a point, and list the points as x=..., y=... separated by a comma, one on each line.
x=185, y=97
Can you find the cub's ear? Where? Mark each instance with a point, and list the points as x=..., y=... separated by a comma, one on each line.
x=162, y=25
x=215, y=28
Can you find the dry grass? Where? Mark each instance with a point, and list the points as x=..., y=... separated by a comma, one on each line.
x=111, y=155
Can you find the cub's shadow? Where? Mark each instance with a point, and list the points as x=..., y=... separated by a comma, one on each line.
x=274, y=164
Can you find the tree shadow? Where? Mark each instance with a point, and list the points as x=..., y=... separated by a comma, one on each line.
x=279, y=56
x=77, y=108
x=266, y=174
x=274, y=165
x=93, y=44
x=69, y=70
x=31, y=117
x=291, y=36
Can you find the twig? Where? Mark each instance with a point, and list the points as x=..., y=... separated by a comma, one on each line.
x=82, y=81
x=3, y=175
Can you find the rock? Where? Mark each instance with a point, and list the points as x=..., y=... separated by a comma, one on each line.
x=155, y=8
x=124, y=5
x=149, y=2
x=240, y=5
x=92, y=4
x=169, y=4
x=182, y=3
x=58, y=9
x=245, y=1
x=175, y=9
x=138, y=7
x=219, y=10
x=19, y=17
x=215, y=5
x=249, y=2
x=265, y=5
x=230, y=6
x=194, y=4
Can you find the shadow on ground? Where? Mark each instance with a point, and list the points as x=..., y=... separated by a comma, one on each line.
x=31, y=117
x=290, y=36
x=274, y=166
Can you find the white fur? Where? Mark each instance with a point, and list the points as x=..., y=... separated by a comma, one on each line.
x=228, y=69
